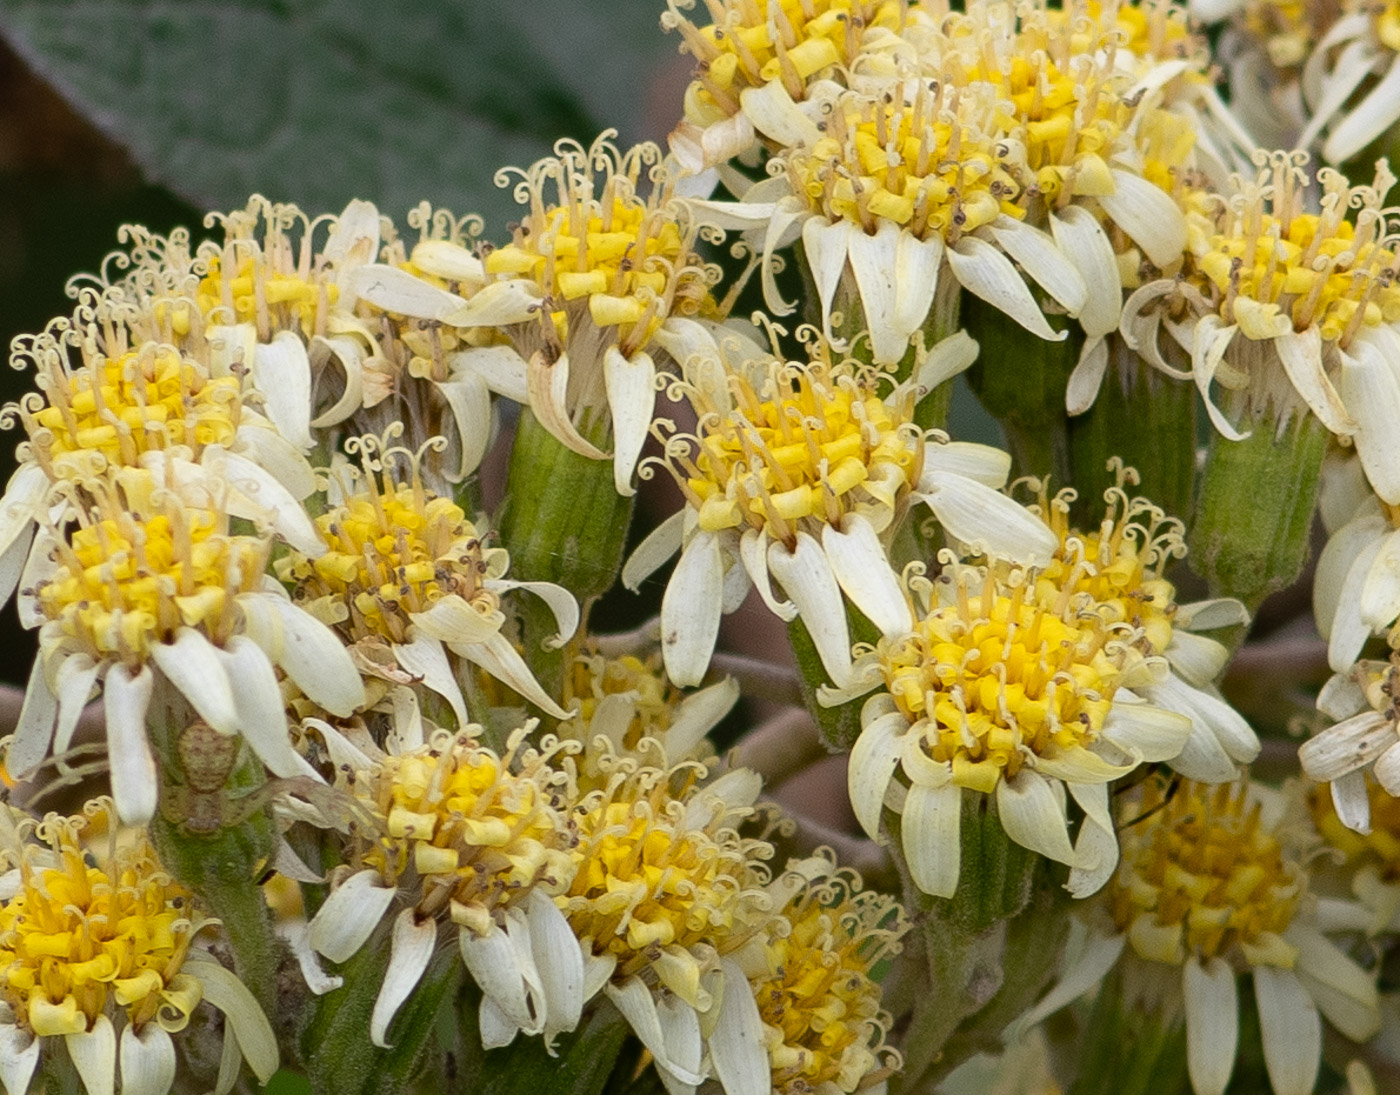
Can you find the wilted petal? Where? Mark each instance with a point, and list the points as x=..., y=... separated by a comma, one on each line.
x=1346, y=747
x=500, y=659
x=424, y=657
x=1301, y=355
x=469, y=400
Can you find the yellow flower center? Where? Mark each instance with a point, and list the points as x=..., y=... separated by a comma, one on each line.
x=1200, y=875
x=478, y=835
x=645, y=882
x=1388, y=25
x=653, y=697
x=1002, y=671
x=144, y=400
x=258, y=291
x=76, y=938
x=1380, y=846
x=394, y=550
x=124, y=582
x=1267, y=257
x=752, y=42
x=910, y=164
x=809, y=444
x=820, y=1005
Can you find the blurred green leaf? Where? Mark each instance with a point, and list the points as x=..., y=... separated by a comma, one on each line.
x=319, y=101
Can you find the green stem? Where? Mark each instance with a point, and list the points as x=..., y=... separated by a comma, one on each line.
x=839, y=725
x=1128, y=1051
x=581, y=1065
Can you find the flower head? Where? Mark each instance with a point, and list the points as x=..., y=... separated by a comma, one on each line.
x=97, y=949
x=798, y=468
x=1364, y=736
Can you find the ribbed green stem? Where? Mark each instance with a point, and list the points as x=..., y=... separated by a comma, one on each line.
x=582, y=1065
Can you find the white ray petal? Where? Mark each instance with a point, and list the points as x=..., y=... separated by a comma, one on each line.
x=775, y=115
x=1368, y=119
x=736, y=1045
x=863, y=571
x=496, y=1028
x=424, y=657
x=1346, y=747
x=19, y=1057
x=499, y=658
x=1042, y=260
x=394, y=290
x=192, y=665
x=500, y=367
x=561, y=603
x=826, y=245
x=680, y=1031
x=1212, y=1023
x=455, y=621
x=491, y=959
x=1348, y=631
x=264, y=446
x=786, y=213
x=223, y=990
x=874, y=261
x=307, y=651
x=1227, y=724
x=1085, y=381
x=985, y=272
x=631, y=389
x=1369, y=385
x=1083, y=241
x=13, y=560
x=22, y=501
x=932, y=825
x=548, y=385
x=282, y=373
x=559, y=962
x=1211, y=614
x=449, y=261
x=948, y=357
x=1387, y=770
x=1335, y=562
x=984, y=464
x=1344, y=992
x=698, y=714
x=917, y=265
x=690, y=610
x=94, y=1055
x=1351, y=801
x=1148, y=214
x=807, y=578
x=147, y=1060
x=469, y=400
x=988, y=521
x=77, y=676
x=1098, y=958
x=753, y=554
x=256, y=495
x=874, y=758
x=135, y=783
x=410, y=951
x=634, y=1000
x=1197, y=659
x=299, y=943
x=1145, y=732
x=651, y=554
x=1096, y=845
x=34, y=731
x=1209, y=341
x=259, y=714
x=1380, y=593
x=498, y=304
x=1301, y=355
x=1034, y=817
x=349, y=915
x=1291, y=1030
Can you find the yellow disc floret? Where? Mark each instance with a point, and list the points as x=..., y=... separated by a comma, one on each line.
x=78, y=940
x=125, y=580
x=1202, y=875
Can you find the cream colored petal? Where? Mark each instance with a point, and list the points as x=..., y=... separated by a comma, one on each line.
x=1147, y=733
x=631, y=388
x=282, y=373
x=496, y=1028
x=825, y=246
x=491, y=959
x=135, y=783
x=932, y=825
x=1098, y=958
x=19, y=1057
x=1344, y=992
x=651, y=554
x=1034, y=817
x=94, y=1055
x=424, y=657
x=807, y=578
x=1335, y=562
x=863, y=571
x=469, y=400
x=1354, y=64
x=1209, y=615
x=1042, y=260
x=984, y=464
x=786, y=214
x=1301, y=355
x=1369, y=385
x=1346, y=747
x=634, y=1000
x=262, y=444
x=259, y=714
x=501, y=367
x=223, y=990
x=500, y=659
x=1380, y=593
x=22, y=502
x=77, y=676
x=697, y=714
x=1368, y=119
x=1347, y=632
x=561, y=603
x=147, y=1060
x=777, y=117
x=1212, y=1023
x=1086, y=379
x=736, y=1045
x=987, y=521
x=985, y=272
x=1096, y=844
x=1351, y=801
x=355, y=237
x=306, y=650
x=1149, y=215
x=680, y=1031
x=1224, y=722
x=410, y=950
x=559, y=962
x=732, y=216
x=948, y=358
x=1082, y=240
x=753, y=554
x=192, y=665
x=549, y=387
x=1291, y=1030
x=917, y=265
x=690, y=610
x=1341, y=697
x=1387, y=770
x=874, y=261
x=874, y=757
x=1195, y=658
x=449, y=261
x=257, y=496
x=34, y=731
x=1209, y=341
x=349, y=916
x=396, y=290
